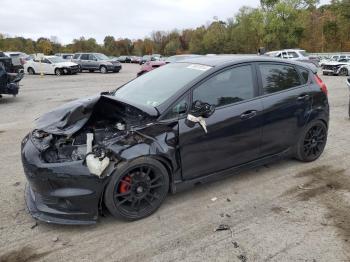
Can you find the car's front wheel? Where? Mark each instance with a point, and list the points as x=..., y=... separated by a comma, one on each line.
x=312, y=142
x=58, y=72
x=103, y=69
x=137, y=189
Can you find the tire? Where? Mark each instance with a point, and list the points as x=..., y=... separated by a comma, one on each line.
x=31, y=71
x=91, y=70
x=79, y=69
x=137, y=189
x=343, y=72
x=58, y=72
x=103, y=70
x=312, y=142
x=116, y=71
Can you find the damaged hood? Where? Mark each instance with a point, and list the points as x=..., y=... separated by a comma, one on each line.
x=71, y=117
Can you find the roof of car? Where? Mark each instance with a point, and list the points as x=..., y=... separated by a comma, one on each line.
x=218, y=60
x=223, y=60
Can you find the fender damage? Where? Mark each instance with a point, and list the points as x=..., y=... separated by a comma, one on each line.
x=61, y=187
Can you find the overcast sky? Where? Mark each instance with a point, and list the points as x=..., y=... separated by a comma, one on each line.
x=120, y=18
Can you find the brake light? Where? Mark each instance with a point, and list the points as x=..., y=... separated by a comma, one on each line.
x=321, y=84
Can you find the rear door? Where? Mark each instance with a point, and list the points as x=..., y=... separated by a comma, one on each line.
x=287, y=101
x=85, y=61
x=234, y=130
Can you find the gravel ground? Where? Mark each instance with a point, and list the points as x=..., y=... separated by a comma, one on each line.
x=287, y=211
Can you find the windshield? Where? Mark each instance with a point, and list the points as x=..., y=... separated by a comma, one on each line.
x=155, y=87
x=101, y=57
x=56, y=59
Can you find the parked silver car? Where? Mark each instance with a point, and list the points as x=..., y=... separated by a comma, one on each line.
x=294, y=54
x=96, y=62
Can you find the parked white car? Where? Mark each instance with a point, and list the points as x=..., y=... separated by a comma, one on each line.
x=294, y=54
x=51, y=65
x=341, y=67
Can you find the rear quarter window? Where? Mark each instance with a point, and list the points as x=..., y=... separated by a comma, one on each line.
x=305, y=75
x=278, y=77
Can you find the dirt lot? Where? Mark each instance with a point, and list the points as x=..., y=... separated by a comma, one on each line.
x=287, y=211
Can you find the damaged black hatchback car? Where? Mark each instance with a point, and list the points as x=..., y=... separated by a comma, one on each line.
x=183, y=124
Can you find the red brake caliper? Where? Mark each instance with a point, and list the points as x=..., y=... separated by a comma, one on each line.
x=124, y=185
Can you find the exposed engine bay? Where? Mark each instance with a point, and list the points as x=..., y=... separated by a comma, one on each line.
x=108, y=122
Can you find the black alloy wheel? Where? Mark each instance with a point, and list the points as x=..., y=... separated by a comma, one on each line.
x=137, y=190
x=312, y=142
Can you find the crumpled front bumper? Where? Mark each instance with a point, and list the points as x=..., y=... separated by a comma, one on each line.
x=60, y=193
x=9, y=89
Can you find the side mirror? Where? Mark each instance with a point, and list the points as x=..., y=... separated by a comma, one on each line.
x=202, y=109
x=199, y=112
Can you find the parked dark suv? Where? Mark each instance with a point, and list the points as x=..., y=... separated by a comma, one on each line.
x=96, y=61
x=184, y=124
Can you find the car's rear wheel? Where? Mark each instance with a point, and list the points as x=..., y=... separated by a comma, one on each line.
x=137, y=189
x=58, y=72
x=103, y=69
x=343, y=72
x=31, y=71
x=91, y=70
x=312, y=142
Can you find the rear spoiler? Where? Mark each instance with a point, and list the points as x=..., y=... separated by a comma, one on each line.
x=308, y=65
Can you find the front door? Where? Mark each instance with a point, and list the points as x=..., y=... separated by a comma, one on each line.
x=84, y=58
x=234, y=131
x=93, y=64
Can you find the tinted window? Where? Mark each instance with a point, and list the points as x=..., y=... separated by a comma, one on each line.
x=76, y=56
x=278, y=77
x=228, y=87
x=84, y=57
x=46, y=61
x=92, y=57
x=293, y=55
x=304, y=74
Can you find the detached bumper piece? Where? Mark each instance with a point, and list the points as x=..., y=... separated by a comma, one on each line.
x=9, y=89
x=47, y=214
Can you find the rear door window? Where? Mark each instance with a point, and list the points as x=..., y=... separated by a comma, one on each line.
x=76, y=56
x=278, y=77
x=305, y=75
x=84, y=57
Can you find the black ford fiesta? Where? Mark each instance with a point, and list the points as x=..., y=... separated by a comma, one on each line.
x=183, y=124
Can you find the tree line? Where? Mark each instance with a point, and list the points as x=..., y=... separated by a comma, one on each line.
x=275, y=24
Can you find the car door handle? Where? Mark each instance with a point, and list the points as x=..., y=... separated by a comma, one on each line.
x=303, y=97
x=248, y=114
